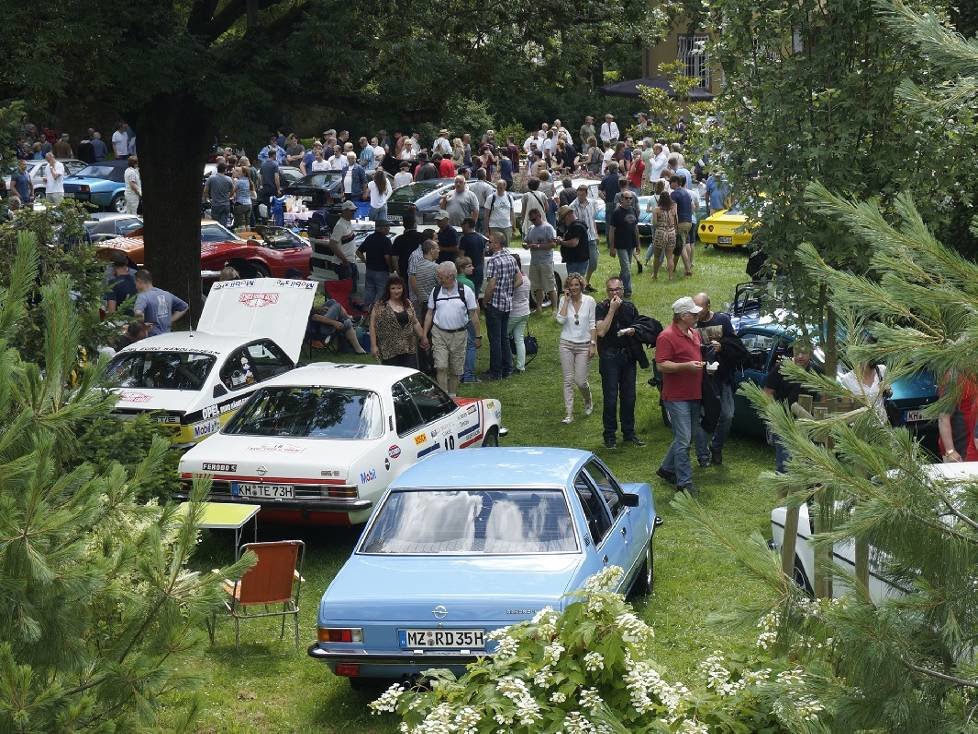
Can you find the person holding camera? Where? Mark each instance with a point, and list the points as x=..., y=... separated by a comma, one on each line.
x=621, y=331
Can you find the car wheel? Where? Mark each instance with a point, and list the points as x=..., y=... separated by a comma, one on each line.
x=801, y=578
x=118, y=204
x=492, y=438
x=249, y=269
x=645, y=580
x=39, y=193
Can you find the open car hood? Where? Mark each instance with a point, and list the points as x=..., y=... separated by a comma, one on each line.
x=274, y=308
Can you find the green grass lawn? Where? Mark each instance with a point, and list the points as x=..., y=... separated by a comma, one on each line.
x=270, y=686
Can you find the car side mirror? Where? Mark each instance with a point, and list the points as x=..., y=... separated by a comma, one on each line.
x=629, y=500
x=219, y=390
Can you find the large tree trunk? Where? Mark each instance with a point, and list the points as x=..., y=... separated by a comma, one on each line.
x=173, y=135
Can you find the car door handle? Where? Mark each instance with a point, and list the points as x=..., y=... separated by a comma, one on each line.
x=605, y=559
x=624, y=531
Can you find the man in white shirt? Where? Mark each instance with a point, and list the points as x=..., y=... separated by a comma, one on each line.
x=441, y=144
x=54, y=179
x=658, y=163
x=451, y=307
x=341, y=242
x=120, y=141
x=609, y=130
x=559, y=127
x=498, y=211
x=134, y=186
x=529, y=142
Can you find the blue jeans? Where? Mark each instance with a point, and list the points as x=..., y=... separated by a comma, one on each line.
x=380, y=213
x=577, y=267
x=477, y=277
x=469, y=372
x=722, y=430
x=497, y=326
x=517, y=330
x=617, y=370
x=374, y=282
x=221, y=213
x=625, y=262
x=684, y=416
x=781, y=453
x=592, y=264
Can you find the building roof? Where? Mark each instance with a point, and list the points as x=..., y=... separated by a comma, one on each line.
x=629, y=88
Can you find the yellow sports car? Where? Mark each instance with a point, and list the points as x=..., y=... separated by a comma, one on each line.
x=726, y=228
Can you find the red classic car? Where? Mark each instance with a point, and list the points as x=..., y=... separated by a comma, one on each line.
x=266, y=251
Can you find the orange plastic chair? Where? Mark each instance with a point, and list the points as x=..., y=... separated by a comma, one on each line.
x=275, y=579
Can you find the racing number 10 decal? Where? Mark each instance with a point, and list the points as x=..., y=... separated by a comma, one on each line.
x=449, y=443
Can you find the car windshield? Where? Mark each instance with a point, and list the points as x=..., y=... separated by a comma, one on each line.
x=160, y=370
x=320, y=179
x=128, y=225
x=214, y=232
x=111, y=173
x=472, y=521
x=413, y=192
x=310, y=412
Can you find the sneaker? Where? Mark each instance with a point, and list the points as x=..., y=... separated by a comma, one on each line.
x=704, y=463
x=666, y=474
x=717, y=456
x=588, y=408
x=635, y=441
x=567, y=420
x=489, y=376
x=469, y=380
x=609, y=443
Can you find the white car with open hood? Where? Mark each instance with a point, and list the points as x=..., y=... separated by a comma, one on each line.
x=320, y=444
x=249, y=332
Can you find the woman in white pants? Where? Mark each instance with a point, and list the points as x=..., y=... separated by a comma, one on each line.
x=578, y=342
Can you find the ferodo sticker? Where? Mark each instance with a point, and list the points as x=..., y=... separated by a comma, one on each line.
x=394, y=451
x=134, y=397
x=208, y=466
x=420, y=439
x=258, y=300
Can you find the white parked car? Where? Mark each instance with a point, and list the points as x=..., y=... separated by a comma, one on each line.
x=844, y=554
x=37, y=171
x=250, y=331
x=321, y=443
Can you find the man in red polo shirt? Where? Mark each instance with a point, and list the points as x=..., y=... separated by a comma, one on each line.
x=679, y=359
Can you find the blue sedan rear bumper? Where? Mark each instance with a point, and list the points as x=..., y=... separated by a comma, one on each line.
x=390, y=664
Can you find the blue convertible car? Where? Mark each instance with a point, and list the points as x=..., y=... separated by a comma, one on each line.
x=467, y=542
x=102, y=184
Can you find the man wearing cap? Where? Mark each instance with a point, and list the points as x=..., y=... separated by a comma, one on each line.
x=376, y=249
x=574, y=241
x=451, y=307
x=447, y=237
x=460, y=203
x=342, y=245
x=426, y=169
x=679, y=359
x=122, y=285
x=441, y=144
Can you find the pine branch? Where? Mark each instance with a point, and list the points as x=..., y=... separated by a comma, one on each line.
x=962, y=682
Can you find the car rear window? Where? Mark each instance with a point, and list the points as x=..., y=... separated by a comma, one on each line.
x=159, y=370
x=472, y=522
x=310, y=412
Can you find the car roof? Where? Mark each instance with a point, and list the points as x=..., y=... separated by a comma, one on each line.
x=338, y=374
x=108, y=216
x=190, y=342
x=495, y=467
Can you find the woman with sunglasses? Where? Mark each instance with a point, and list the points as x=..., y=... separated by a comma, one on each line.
x=578, y=342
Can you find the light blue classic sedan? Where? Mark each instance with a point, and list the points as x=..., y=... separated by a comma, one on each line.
x=467, y=542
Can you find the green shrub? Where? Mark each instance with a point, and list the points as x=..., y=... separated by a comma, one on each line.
x=590, y=668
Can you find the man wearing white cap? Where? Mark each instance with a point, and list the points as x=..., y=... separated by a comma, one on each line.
x=342, y=244
x=679, y=359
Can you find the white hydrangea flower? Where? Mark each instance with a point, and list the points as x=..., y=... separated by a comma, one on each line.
x=507, y=648
x=575, y=723
x=593, y=662
x=557, y=697
x=498, y=634
x=552, y=652
x=607, y=579
x=689, y=726
x=543, y=677
x=591, y=699
x=387, y=703
x=791, y=678
x=808, y=708
x=467, y=720
x=633, y=629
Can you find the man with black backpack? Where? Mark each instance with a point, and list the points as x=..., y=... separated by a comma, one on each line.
x=451, y=307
